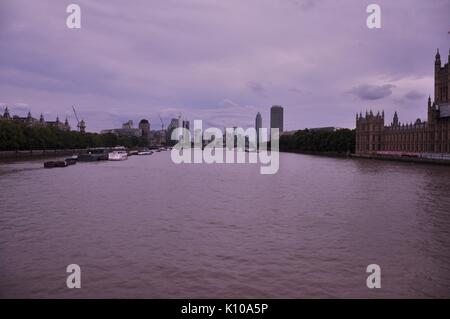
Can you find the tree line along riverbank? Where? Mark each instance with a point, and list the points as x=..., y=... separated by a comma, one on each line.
x=323, y=142
x=16, y=136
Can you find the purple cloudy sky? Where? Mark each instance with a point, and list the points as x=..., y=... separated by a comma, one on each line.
x=220, y=61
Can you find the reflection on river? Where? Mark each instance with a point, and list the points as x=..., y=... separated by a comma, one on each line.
x=149, y=228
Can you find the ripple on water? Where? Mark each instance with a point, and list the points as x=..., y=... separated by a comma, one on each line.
x=148, y=228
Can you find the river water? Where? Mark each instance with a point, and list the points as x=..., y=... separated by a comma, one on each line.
x=149, y=228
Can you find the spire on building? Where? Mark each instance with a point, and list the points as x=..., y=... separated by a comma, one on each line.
x=395, y=120
x=41, y=118
x=29, y=118
x=6, y=113
x=438, y=59
x=258, y=127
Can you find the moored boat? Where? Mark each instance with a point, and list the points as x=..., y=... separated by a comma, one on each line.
x=71, y=161
x=61, y=164
x=49, y=164
x=94, y=154
x=145, y=151
x=118, y=154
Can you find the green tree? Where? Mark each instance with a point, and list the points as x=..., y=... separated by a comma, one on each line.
x=319, y=141
x=15, y=135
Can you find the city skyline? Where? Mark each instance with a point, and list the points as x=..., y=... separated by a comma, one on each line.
x=158, y=59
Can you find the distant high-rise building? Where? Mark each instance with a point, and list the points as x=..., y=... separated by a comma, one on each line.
x=157, y=137
x=127, y=125
x=258, y=126
x=185, y=125
x=174, y=123
x=276, y=117
x=126, y=130
x=144, y=126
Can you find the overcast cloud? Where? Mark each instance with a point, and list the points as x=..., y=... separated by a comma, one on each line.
x=220, y=61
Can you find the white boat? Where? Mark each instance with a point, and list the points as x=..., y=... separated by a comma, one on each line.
x=146, y=152
x=118, y=154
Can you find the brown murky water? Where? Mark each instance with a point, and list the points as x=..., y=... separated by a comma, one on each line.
x=152, y=229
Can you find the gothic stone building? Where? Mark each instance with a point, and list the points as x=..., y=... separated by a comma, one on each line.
x=32, y=122
x=429, y=138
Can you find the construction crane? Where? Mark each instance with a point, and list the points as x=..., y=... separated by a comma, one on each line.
x=80, y=124
x=75, y=112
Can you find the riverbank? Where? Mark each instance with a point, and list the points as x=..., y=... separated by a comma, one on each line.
x=327, y=154
x=38, y=153
x=403, y=159
x=376, y=157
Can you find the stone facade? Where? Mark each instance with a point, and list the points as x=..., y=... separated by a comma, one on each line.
x=414, y=139
x=32, y=122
